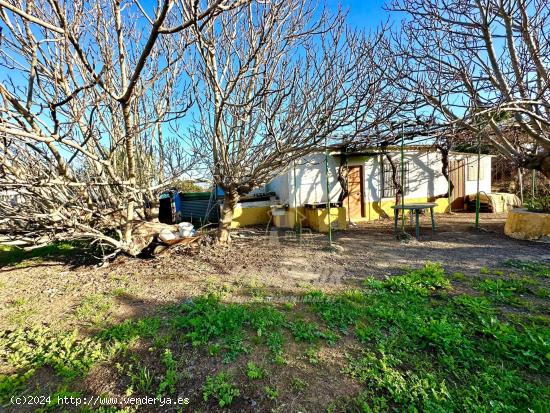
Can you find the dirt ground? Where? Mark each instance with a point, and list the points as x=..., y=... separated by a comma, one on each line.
x=255, y=264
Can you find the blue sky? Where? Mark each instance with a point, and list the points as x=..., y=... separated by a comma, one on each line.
x=366, y=14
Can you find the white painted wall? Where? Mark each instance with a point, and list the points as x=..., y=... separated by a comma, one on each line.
x=425, y=177
x=471, y=166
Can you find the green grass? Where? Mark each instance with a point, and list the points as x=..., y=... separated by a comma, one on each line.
x=28, y=350
x=18, y=257
x=423, y=349
x=534, y=268
x=411, y=342
x=94, y=309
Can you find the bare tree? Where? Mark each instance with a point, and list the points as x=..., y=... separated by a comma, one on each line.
x=275, y=81
x=88, y=89
x=481, y=65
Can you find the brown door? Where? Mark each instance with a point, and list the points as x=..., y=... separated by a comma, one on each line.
x=456, y=173
x=354, y=201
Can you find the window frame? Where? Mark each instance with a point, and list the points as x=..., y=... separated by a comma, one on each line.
x=391, y=191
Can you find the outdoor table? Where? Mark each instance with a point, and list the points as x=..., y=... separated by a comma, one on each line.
x=416, y=208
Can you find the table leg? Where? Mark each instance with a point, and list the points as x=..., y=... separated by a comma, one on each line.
x=412, y=215
x=395, y=215
x=433, y=218
x=417, y=224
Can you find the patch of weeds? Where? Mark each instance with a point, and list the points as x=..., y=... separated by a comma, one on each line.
x=22, y=311
x=459, y=276
x=504, y=291
x=171, y=377
x=339, y=312
x=93, y=309
x=141, y=379
x=298, y=384
x=271, y=393
x=207, y=321
x=534, y=268
x=306, y=332
x=365, y=401
x=55, y=398
x=12, y=384
x=220, y=388
x=420, y=281
x=234, y=346
x=529, y=347
x=29, y=349
x=539, y=320
x=119, y=292
x=253, y=371
x=442, y=333
x=275, y=343
x=256, y=289
x=266, y=319
x=382, y=375
x=127, y=331
x=217, y=288
x=542, y=292
x=10, y=255
x=312, y=355
x=475, y=306
x=162, y=340
x=68, y=355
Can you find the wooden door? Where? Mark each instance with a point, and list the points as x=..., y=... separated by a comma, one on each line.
x=354, y=201
x=457, y=175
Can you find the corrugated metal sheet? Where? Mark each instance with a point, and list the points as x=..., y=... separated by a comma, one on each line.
x=195, y=208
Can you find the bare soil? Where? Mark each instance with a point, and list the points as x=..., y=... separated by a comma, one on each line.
x=255, y=264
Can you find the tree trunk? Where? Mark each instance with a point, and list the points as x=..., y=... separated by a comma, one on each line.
x=230, y=199
x=539, y=162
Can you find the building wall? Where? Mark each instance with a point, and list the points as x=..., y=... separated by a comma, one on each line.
x=250, y=213
x=311, y=181
x=471, y=172
x=426, y=182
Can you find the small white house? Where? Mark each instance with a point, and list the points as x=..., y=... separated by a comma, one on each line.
x=370, y=184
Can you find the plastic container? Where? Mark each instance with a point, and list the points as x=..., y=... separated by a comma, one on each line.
x=186, y=229
x=166, y=235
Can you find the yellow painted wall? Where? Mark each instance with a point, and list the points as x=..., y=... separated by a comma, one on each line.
x=289, y=219
x=523, y=224
x=317, y=219
x=383, y=209
x=250, y=216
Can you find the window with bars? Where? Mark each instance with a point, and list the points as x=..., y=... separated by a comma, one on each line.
x=389, y=189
